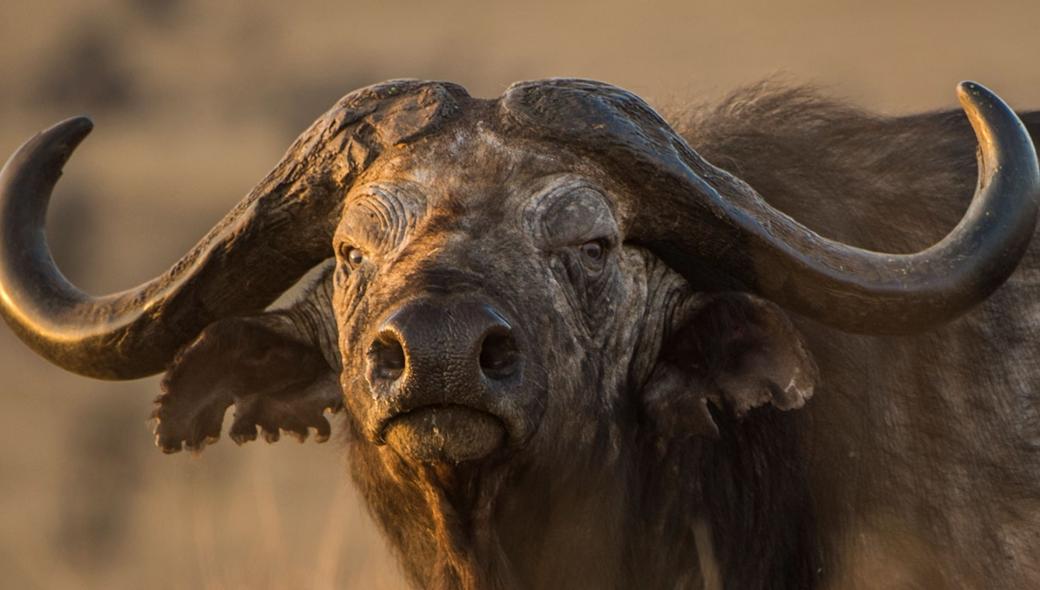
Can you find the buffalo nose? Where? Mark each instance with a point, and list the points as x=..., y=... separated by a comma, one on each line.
x=453, y=342
x=386, y=357
x=498, y=355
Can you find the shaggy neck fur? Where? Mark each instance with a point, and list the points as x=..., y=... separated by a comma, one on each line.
x=595, y=523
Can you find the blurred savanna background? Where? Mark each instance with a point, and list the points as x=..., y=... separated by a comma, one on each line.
x=195, y=100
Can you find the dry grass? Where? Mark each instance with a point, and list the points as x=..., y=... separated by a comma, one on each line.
x=195, y=100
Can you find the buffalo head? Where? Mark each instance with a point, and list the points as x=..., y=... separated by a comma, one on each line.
x=551, y=272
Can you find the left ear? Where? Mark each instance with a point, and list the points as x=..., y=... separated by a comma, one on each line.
x=275, y=380
x=733, y=349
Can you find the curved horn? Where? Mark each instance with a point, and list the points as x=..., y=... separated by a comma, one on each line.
x=699, y=217
x=263, y=246
x=863, y=291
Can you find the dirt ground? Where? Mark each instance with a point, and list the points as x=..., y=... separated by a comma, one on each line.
x=193, y=102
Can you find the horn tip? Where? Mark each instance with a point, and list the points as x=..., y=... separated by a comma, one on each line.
x=969, y=86
x=973, y=93
x=55, y=144
x=975, y=97
x=71, y=131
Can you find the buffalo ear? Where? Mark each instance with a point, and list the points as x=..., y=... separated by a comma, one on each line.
x=275, y=381
x=735, y=350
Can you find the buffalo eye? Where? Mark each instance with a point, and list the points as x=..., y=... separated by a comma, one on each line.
x=353, y=256
x=593, y=252
x=350, y=259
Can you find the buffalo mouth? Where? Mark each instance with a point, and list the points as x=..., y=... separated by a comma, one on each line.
x=448, y=433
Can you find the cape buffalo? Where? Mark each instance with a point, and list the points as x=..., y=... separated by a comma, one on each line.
x=570, y=346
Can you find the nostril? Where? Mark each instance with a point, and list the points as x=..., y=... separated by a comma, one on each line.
x=386, y=357
x=498, y=355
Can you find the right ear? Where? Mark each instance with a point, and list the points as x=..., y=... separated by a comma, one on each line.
x=275, y=380
x=734, y=350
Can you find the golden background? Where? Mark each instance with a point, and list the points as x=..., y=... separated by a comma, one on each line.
x=195, y=100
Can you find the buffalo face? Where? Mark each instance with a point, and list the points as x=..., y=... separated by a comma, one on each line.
x=482, y=296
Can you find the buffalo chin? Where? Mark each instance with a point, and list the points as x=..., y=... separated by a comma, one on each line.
x=445, y=434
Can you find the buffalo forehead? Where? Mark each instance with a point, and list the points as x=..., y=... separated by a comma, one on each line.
x=474, y=171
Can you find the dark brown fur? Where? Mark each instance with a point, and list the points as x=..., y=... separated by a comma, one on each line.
x=928, y=446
